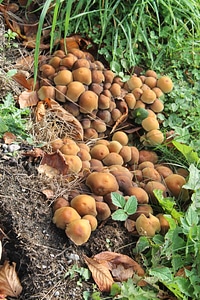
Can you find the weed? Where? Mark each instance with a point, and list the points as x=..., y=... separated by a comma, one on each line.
x=126, y=207
x=10, y=37
x=83, y=274
x=12, y=118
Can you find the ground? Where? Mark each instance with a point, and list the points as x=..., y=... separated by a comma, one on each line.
x=42, y=252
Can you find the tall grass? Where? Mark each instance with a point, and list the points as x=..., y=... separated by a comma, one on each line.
x=129, y=33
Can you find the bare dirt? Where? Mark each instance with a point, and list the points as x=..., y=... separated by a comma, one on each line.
x=42, y=252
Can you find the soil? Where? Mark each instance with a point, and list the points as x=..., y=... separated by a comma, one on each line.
x=42, y=252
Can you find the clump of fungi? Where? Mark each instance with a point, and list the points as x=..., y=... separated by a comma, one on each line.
x=100, y=100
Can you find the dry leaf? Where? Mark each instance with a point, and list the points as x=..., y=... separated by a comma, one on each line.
x=74, y=41
x=122, y=118
x=40, y=111
x=9, y=281
x=48, y=193
x=0, y=249
x=48, y=171
x=9, y=138
x=66, y=117
x=56, y=161
x=100, y=274
x=121, y=274
x=20, y=78
x=28, y=98
x=115, y=259
x=35, y=153
x=130, y=225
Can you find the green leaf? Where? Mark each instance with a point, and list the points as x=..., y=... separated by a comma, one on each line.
x=164, y=274
x=131, y=205
x=118, y=199
x=119, y=215
x=193, y=182
x=141, y=245
x=139, y=114
x=187, y=151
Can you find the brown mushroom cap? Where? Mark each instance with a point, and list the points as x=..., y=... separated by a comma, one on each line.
x=104, y=102
x=64, y=77
x=102, y=183
x=121, y=137
x=47, y=70
x=148, y=96
x=84, y=205
x=47, y=91
x=130, y=100
x=165, y=84
x=68, y=61
x=115, y=90
x=99, y=151
x=88, y=102
x=139, y=193
x=81, y=62
x=134, y=82
x=103, y=211
x=78, y=231
x=74, y=90
x=150, y=123
x=97, y=76
x=174, y=183
x=157, y=106
x=113, y=158
x=83, y=75
x=92, y=220
x=60, y=93
x=150, y=81
x=74, y=162
x=55, y=62
x=65, y=215
x=109, y=76
x=154, y=137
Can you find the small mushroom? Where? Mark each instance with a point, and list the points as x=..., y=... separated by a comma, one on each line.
x=84, y=205
x=92, y=220
x=82, y=75
x=102, y=183
x=78, y=231
x=103, y=211
x=147, y=226
x=148, y=96
x=74, y=90
x=88, y=102
x=65, y=215
x=64, y=77
x=165, y=84
x=121, y=137
x=47, y=91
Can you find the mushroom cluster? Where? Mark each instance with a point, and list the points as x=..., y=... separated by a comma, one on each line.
x=98, y=98
x=114, y=166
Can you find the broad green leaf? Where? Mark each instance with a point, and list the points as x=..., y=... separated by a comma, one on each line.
x=141, y=245
x=119, y=215
x=194, y=179
x=187, y=151
x=118, y=199
x=131, y=205
x=164, y=274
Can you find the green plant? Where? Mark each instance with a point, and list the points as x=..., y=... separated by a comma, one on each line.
x=10, y=37
x=79, y=272
x=126, y=207
x=13, y=119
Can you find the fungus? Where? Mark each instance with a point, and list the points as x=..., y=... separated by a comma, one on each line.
x=74, y=163
x=88, y=102
x=82, y=75
x=102, y=183
x=165, y=84
x=74, y=90
x=84, y=205
x=147, y=226
x=103, y=211
x=64, y=77
x=154, y=137
x=174, y=183
x=121, y=137
x=150, y=123
x=47, y=91
x=78, y=231
x=148, y=96
x=113, y=158
x=65, y=215
x=92, y=220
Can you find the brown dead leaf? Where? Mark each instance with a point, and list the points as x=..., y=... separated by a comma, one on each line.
x=34, y=153
x=9, y=281
x=121, y=274
x=9, y=138
x=21, y=79
x=56, y=161
x=74, y=41
x=130, y=225
x=66, y=117
x=122, y=118
x=48, y=171
x=40, y=111
x=115, y=259
x=48, y=193
x=27, y=99
x=100, y=274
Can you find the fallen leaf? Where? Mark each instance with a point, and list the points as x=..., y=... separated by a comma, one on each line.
x=56, y=161
x=48, y=171
x=27, y=99
x=40, y=111
x=9, y=281
x=48, y=193
x=34, y=153
x=74, y=41
x=27, y=62
x=130, y=225
x=21, y=79
x=66, y=117
x=115, y=259
x=100, y=274
x=121, y=274
x=122, y=118
x=0, y=249
x=9, y=138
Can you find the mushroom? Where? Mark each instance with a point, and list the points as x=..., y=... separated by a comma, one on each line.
x=151, y=73
x=92, y=220
x=60, y=93
x=74, y=163
x=60, y=202
x=47, y=70
x=102, y=183
x=115, y=90
x=88, y=102
x=174, y=183
x=154, y=137
x=81, y=62
x=70, y=147
x=148, y=155
x=147, y=226
x=113, y=158
x=78, y=231
x=47, y=91
x=99, y=151
x=139, y=193
x=97, y=76
x=74, y=90
x=150, y=123
x=121, y=137
x=130, y=100
x=165, y=84
x=115, y=146
x=64, y=77
x=103, y=211
x=150, y=173
x=148, y=96
x=134, y=82
x=164, y=224
x=65, y=215
x=82, y=75
x=125, y=153
x=157, y=106
x=84, y=205
x=68, y=61
x=150, y=81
